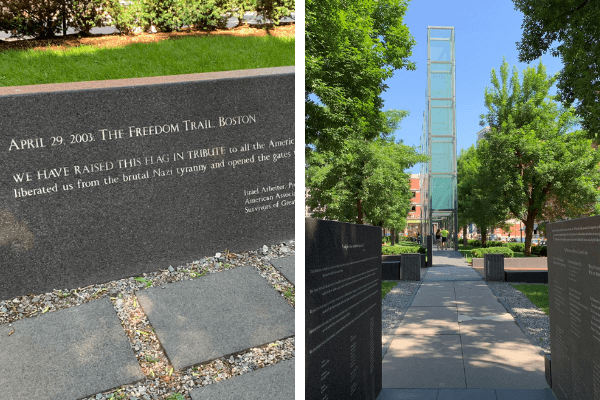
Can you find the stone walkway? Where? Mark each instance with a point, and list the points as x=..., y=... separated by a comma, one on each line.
x=83, y=350
x=457, y=341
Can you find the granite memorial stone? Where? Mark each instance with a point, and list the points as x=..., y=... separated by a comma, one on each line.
x=106, y=180
x=390, y=270
x=493, y=267
x=343, y=310
x=410, y=267
x=574, y=294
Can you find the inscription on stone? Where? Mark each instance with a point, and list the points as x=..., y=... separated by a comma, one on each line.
x=343, y=310
x=101, y=184
x=574, y=294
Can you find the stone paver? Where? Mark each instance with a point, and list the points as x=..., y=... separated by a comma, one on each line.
x=67, y=354
x=275, y=382
x=458, y=338
x=287, y=266
x=216, y=315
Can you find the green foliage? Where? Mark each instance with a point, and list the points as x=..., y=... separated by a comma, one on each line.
x=351, y=49
x=175, y=396
x=271, y=11
x=386, y=287
x=495, y=243
x=364, y=181
x=86, y=14
x=390, y=250
x=536, y=167
x=39, y=18
x=537, y=294
x=516, y=246
x=205, y=14
x=573, y=26
x=539, y=251
x=474, y=242
x=478, y=253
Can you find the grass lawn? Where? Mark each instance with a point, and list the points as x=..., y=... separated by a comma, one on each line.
x=386, y=286
x=537, y=294
x=186, y=55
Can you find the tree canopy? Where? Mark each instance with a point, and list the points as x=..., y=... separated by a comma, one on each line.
x=351, y=48
x=573, y=27
x=365, y=180
x=532, y=157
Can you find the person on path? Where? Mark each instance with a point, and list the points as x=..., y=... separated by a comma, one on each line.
x=444, y=234
x=438, y=239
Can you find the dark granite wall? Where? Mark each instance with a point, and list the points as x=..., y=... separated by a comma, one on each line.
x=343, y=310
x=574, y=294
x=101, y=184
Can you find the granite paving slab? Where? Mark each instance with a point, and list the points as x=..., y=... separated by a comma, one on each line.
x=429, y=321
x=287, y=266
x=67, y=354
x=275, y=382
x=502, y=362
x=216, y=315
x=425, y=362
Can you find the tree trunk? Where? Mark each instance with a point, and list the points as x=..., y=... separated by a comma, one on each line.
x=483, y=237
x=465, y=242
x=359, y=218
x=393, y=242
x=528, y=235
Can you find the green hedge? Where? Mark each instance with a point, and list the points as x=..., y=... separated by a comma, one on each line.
x=519, y=247
x=43, y=18
x=539, y=251
x=478, y=253
x=389, y=250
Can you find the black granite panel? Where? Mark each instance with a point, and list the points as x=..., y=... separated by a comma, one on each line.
x=430, y=250
x=103, y=184
x=390, y=270
x=393, y=257
x=574, y=293
x=526, y=276
x=410, y=269
x=493, y=267
x=343, y=310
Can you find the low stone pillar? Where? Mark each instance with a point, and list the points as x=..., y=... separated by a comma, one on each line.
x=423, y=261
x=493, y=267
x=390, y=270
x=410, y=267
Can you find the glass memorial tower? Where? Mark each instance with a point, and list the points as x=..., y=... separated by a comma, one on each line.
x=438, y=176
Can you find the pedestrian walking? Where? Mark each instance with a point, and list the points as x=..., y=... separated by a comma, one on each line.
x=444, y=234
x=438, y=239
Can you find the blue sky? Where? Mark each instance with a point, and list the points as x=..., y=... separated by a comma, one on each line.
x=485, y=31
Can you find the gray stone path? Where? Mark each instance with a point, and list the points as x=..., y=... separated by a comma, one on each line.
x=270, y=383
x=83, y=350
x=287, y=267
x=456, y=341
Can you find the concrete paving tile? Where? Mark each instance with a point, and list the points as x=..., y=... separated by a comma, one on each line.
x=287, y=266
x=275, y=382
x=525, y=394
x=495, y=362
x=438, y=298
x=408, y=394
x=435, y=286
x=470, y=285
x=429, y=321
x=483, y=309
x=424, y=362
x=466, y=394
x=500, y=330
x=218, y=314
x=67, y=354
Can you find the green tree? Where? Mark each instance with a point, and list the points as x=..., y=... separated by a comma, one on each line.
x=531, y=156
x=477, y=199
x=365, y=180
x=574, y=26
x=351, y=48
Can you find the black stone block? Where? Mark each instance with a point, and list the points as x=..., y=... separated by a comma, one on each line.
x=548, y=369
x=410, y=269
x=493, y=267
x=527, y=276
x=343, y=310
x=105, y=183
x=390, y=270
x=574, y=295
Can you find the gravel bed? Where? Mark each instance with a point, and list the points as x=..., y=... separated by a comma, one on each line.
x=395, y=304
x=162, y=382
x=534, y=320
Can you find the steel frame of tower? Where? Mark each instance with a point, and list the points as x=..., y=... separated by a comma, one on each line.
x=438, y=176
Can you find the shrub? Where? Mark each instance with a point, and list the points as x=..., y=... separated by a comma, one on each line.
x=205, y=14
x=385, y=239
x=478, y=253
x=539, y=251
x=388, y=250
x=474, y=242
x=129, y=18
x=39, y=18
x=271, y=11
x=520, y=247
x=86, y=14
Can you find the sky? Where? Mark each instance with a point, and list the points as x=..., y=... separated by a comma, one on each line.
x=485, y=31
